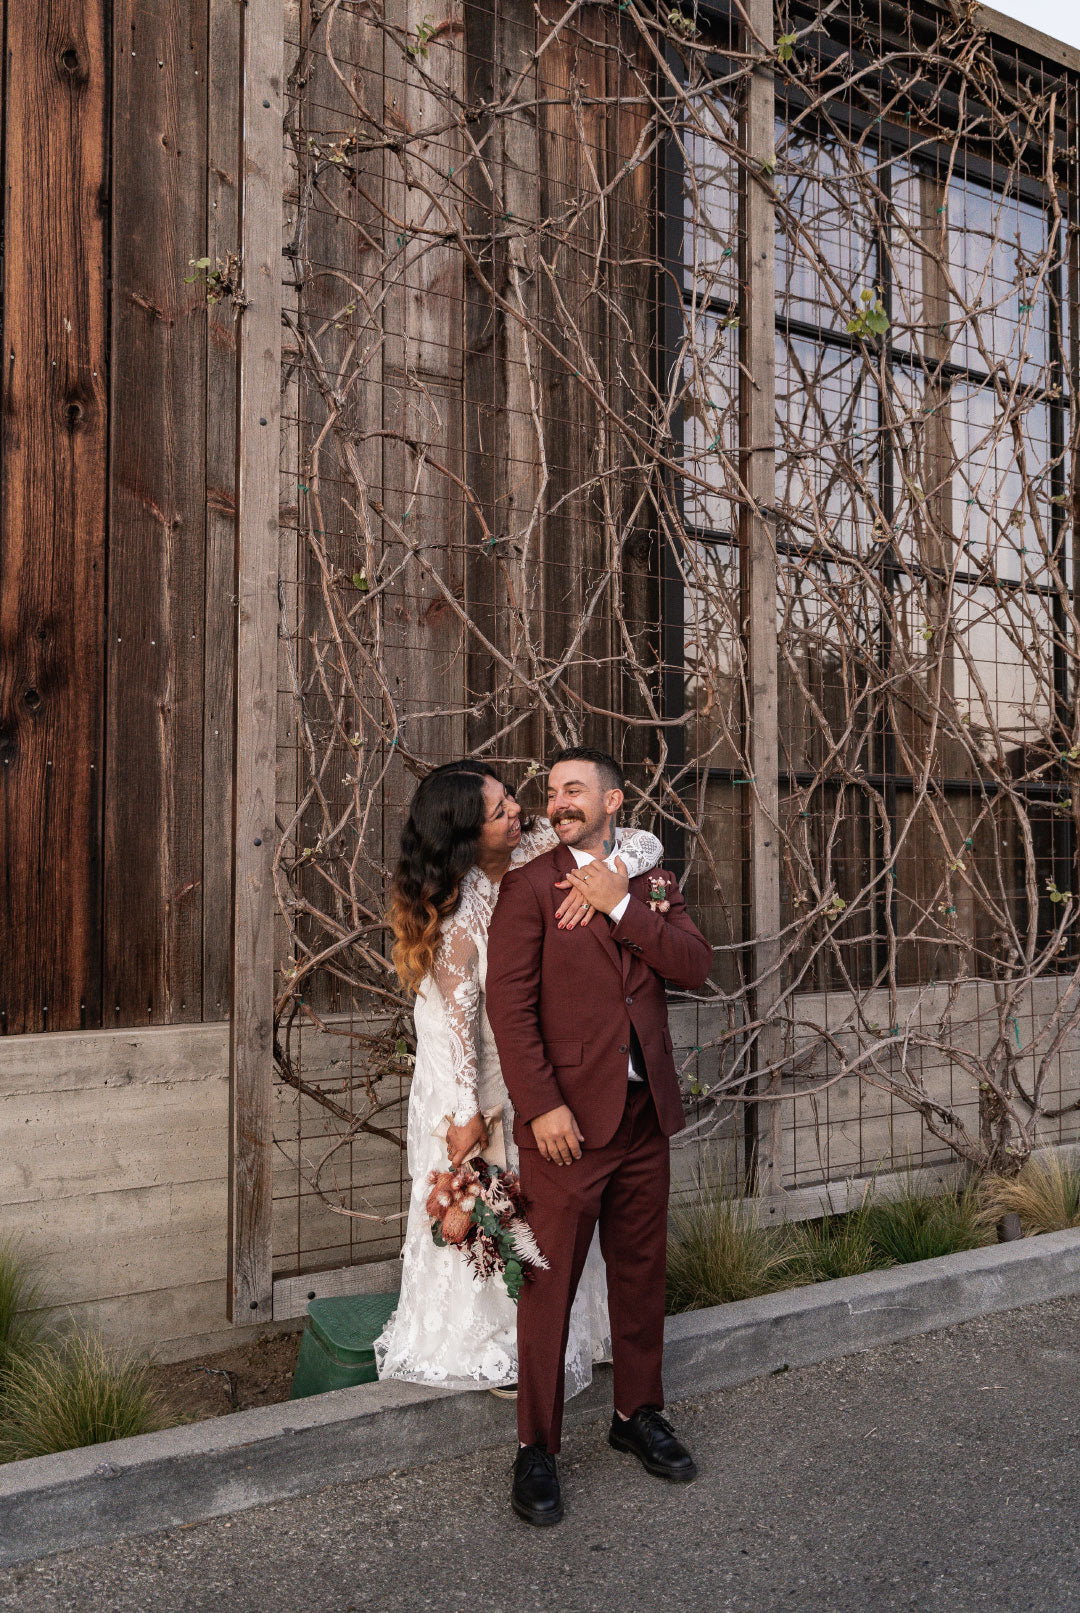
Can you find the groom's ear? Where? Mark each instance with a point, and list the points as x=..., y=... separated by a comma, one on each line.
x=613, y=801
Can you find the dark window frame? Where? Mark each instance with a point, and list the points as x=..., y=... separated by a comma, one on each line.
x=892, y=142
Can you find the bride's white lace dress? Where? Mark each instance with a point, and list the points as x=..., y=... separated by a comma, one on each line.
x=450, y=1328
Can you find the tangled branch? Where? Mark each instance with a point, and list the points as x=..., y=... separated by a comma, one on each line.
x=516, y=482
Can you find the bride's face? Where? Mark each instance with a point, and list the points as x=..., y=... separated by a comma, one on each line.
x=502, y=822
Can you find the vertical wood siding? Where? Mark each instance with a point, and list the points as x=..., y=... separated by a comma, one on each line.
x=52, y=513
x=153, y=783
x=117, y=542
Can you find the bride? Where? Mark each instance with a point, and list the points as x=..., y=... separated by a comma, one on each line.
x=464, y=831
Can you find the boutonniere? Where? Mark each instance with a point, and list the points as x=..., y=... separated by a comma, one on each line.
x=658, y=897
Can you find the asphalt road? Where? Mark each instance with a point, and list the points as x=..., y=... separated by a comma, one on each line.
x=938, y=1474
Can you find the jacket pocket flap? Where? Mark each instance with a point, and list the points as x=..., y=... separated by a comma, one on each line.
x=564, y=1053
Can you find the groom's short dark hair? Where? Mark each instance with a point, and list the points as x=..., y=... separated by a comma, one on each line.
x=611, y=774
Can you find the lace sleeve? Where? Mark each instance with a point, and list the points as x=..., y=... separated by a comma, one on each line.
x=540, y=838
x=455, y=972
x=638, y=849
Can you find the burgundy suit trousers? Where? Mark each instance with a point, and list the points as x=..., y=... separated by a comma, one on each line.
x=624, y=1187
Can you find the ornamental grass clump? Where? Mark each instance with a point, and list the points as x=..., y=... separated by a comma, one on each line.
x=20, y=1297
x=922, y=1226
x=63, y=1395
x=717, y=1253
x=839, y=1246
x=1045, y=1195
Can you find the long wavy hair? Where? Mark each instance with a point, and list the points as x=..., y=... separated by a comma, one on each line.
x=438, y=847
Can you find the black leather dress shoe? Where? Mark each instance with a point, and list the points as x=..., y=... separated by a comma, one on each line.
x=651, y=1438
x=536, y=1496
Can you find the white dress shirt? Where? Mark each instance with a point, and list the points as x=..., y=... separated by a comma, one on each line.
x=581, y=858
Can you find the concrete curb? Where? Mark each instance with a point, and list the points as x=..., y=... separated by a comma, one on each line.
x=203, y=1470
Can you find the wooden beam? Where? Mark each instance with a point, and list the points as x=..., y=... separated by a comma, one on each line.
x=259, y=365
x=293, y=1295
x=219, y=696
x=1027, y=38
x=757, y=427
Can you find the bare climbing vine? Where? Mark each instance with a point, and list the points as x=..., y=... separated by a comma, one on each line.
x=517, y=509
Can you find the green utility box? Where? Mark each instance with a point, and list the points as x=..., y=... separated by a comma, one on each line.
x=337, y=1348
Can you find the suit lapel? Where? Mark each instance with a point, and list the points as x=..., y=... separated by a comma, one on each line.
x=638, y=888
x=598, y=926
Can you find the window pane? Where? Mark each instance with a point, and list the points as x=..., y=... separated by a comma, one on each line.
x=964, y=865
x=827, y=632
x=920, y=307
x=826, y=249
x=972, y=273
x=933, y=867
x=710, y=202
x=923, y=465
x=1001, y=485
x=827, y=461
x=972, y=676
x=1003, y=675
x=998, y=260
x=827, y=868
x=710, y=424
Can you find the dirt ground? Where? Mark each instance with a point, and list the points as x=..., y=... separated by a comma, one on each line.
x=256, y=1374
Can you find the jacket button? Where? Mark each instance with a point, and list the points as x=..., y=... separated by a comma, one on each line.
x=623, y=1049
x=629, y=999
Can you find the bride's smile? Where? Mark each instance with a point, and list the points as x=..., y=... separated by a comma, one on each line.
x=500, y=831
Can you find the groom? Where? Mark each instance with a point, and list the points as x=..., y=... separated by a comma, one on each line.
x=580, y=1019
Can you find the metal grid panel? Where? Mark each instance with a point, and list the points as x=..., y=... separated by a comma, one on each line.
x=516, y=514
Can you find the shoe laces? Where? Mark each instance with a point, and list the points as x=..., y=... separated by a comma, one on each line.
x=654, y=1418
x=536, y=1456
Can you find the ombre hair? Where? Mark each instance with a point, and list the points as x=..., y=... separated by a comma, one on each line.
x=438, y=847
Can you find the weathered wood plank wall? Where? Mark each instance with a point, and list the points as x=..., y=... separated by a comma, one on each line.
x=52, y=512
x=117, y=550
x=157, y=495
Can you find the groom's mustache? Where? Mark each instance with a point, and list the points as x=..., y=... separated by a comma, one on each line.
x=569, y=816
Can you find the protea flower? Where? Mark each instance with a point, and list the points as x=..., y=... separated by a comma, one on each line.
x=441, y=1196
x=456, y=1223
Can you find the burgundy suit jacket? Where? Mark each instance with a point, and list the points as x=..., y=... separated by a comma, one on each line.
x=561, y=1002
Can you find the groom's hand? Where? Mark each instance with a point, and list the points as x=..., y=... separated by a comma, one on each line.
x=601, y=886
x=558, y=1135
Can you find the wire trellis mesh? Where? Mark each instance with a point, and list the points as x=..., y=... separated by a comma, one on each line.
x=518, y=512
